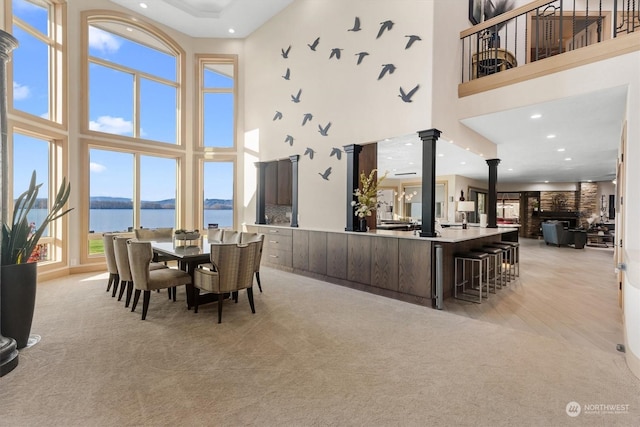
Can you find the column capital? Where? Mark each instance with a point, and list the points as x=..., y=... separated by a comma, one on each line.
x=493, y=162
x=429, y=134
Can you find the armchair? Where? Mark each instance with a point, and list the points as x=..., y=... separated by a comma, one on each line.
x=554, y=233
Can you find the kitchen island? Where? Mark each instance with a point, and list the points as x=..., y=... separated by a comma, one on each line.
x=391, y=263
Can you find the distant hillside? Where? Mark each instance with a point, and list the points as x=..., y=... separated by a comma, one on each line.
x=123, y=203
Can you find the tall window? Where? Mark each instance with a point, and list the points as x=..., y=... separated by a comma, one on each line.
x=217, y=101
x=133, y=83
x=157, y=192
x=37, y=62
x=218, y=194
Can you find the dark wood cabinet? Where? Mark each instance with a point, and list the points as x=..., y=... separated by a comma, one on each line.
x=278, y=183
x=271, y=183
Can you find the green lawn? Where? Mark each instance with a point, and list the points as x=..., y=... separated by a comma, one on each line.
x=96, y=247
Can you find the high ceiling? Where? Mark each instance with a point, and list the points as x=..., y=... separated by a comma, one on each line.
x=587, y=127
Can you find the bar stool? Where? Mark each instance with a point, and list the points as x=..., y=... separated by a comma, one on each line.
x=506, y=256
x=494, y=271
x=515, y=252
x=480, y=259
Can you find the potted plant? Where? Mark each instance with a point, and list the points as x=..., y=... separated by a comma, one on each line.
x=19, y=272
x=367, y=196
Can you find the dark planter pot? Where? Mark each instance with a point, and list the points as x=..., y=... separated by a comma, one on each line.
x=17, y=301
x=362, y=224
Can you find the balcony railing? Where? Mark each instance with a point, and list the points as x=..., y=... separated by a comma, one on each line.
x=542, y=29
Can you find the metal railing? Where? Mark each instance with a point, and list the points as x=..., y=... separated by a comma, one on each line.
x=542, y=29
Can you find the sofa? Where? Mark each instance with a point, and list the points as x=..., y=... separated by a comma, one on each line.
x=555, y=233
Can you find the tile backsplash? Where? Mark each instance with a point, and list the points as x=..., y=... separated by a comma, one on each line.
x=278, y=214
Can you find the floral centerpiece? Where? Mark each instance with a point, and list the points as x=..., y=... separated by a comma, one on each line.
x=367, y=194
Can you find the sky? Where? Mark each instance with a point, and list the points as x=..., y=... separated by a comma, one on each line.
x=111, y=110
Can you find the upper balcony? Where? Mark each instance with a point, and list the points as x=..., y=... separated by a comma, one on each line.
x=544, y=37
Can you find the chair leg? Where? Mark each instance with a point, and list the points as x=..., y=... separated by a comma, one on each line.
x=250, y=296
x=235, y=296
x=110, y=281
x=122, y=289
x=258, y=279
x=169, y=292
x=220, y=299
x=145, y=303
x=195, y=297
x=173, y=293
x=129, y=293
x=136, y=297
x=116, y=280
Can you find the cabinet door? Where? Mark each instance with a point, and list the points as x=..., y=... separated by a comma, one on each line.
x=271, y=184
x=284, y=182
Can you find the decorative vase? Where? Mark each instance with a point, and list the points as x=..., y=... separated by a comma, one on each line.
x=362, y=224
x=18, y=300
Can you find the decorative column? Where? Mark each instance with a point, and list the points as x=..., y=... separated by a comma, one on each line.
x=260, y=190
x=492, y=220
x=8, y=347
x=429, y=138
x=353, y=180
x=294, y=189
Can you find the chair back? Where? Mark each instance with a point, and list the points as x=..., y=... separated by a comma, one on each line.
x=247, y=264
x=109, y=254
x=140, y=254
x=230, y=236
x=154, y=233
x=234, y=265
x=214, y=235
x=246, y=237
x=122, y=257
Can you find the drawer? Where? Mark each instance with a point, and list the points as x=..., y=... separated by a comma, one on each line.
x=278, y=257
x=276, y=231
x=277, y=242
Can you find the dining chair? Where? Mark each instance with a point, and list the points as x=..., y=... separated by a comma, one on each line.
x=246, y=237
x=214, y=235
x=232, y=268
x=157, y=234
x=147, y=280
x=230, y=236
x=112, y=268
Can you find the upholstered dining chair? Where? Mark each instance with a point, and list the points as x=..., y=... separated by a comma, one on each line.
x=232, y=267
x=214, y=235
x=110, y=257
x=146, y=280
x=157, y=234
x=246, y=237
x=124, y=270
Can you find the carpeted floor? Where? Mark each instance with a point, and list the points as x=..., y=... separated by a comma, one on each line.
x=314, y=354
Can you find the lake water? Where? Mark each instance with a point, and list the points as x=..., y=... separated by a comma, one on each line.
x=121, y=219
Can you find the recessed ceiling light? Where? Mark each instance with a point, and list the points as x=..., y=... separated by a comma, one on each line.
x=463, y=163
x=389, y=158
x=589, y=180
x=567, y=158
x=143, y=5
x=440, y=155
x=129, y=29
x=409, y=143
x=510, y=169
x=561, y=149
x=467, y=148
x=546, y=182
x=410, y=163
x=231, y=31
x=536, y=116
x=551, y=136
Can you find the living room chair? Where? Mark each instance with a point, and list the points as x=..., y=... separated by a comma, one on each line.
x=147, y=280
x=232, y=268
x=554, y=233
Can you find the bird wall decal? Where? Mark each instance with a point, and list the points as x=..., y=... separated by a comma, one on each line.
x=287, y=74
x=356, y=25
x=336, y=152
x=406, y=97
x=296, y=98
x=412, y=39
x=335, y=52
x=285, y=53
x=314, y=45
x=386, y=68
x=289, y=139
x=309, y=152
x=323, y=130
x=325, y=174
x=361, y=56
x=386, y=25
x=307, y=118
x=278, y=116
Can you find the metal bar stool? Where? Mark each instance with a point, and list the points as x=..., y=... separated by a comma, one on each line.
x=506, y=257
x=494, y=271
x=515, y=260
x=480, y=259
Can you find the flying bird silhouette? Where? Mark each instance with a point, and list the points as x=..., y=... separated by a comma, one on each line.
x=406, y=97
x=323, y=131
x=285, y=53
x=313, y=45
x=356, y=25
x=335, y=52
x=307, y=118
x=287, y=74
x=411, y=40
x=361, y=56
x=386, y=68
x=309, y=152
x=278, y=116
x=296, y=98
x=289, y=139
x=336, y=152
x=386, y=25
x=325, y=174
